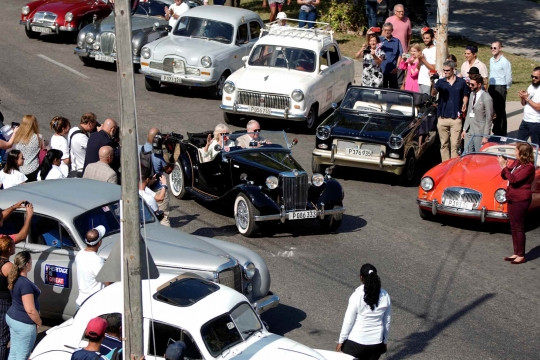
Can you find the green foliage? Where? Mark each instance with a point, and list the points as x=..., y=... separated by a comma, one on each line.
x=344, y=16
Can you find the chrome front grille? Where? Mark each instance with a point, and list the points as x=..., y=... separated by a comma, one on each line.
x=108, y=43
x=462, y=194
x=156, y=65
x=45, y=17
x=231, y=277
x=294, y=189
x=264, y=100
x=174, y=66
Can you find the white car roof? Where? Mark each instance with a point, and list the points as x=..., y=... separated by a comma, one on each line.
x=227, y=14
x=298, y=38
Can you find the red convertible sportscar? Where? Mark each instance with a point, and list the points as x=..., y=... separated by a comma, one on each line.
x=57, y=16
x=471, y=185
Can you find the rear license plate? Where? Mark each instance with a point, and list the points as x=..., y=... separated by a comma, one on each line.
x=459, y=204
x=310, y=214
x=359, y=152
x=42, y=30
x=260, y=110
x=105, y=58
x=171, y=79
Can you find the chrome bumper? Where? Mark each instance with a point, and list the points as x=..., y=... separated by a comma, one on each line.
x=266, y=303
x=56, y=28
x=280, y=114
x=92, y=54
x=283, y=215
x=481, y=214
x=331, y=157
x=187, y=80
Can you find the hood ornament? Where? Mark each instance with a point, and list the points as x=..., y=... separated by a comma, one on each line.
x=266, y=77
x=295, y=172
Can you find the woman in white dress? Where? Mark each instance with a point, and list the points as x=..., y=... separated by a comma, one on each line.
x=221, y=138
x=10, y=174
x=50, y=167
x=61, y=127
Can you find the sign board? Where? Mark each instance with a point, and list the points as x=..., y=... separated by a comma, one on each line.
x=56, y=276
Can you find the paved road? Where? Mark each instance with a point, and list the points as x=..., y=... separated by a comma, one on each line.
x=450, y=288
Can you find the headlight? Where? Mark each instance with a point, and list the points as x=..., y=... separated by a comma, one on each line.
x=178, y=67
x=80, y=44
x=96, y=46
x=271, y=182
x=323, y=133
x=135, y=51
x=206, y=61
x=395, y=142
x=145, y=53
x=297, y=95
x=426, y=183
x=249, y=270
x=68, y=17
x=500, y=196
x=317, y=179
x=25, y=10
x=90, y=38
x=228, y=87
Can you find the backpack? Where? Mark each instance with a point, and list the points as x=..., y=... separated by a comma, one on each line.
x=145, y=158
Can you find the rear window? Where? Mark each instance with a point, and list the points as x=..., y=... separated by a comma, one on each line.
x=186, y=292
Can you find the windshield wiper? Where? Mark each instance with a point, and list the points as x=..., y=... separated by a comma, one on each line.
x=221, y=39
x=199, y=37
x=250, y=332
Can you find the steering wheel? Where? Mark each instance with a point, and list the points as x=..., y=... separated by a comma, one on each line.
x=299, y=61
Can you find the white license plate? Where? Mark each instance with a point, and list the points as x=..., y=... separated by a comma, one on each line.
x=310, y=214
x=171, y=79
x=105, y=58
x=459, y=204
x=42, y=30
x=359, y=152
x=260, y=110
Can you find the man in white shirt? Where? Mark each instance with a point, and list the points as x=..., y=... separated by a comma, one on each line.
x=427, y=58
x=150, y=197
x=500, y=80
x=174, y=12
x=78, y=141
x=530, y=126
x=89, y=263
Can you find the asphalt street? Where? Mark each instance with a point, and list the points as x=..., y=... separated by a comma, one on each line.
x=453, y=295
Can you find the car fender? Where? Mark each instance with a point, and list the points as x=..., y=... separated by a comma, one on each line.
x=185, y=162
x=144, y=37
x=331, y=194
x=259, y=199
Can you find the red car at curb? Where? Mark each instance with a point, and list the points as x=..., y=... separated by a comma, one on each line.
x=471, y=185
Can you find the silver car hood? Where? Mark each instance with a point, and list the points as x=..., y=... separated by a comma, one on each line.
x=138, y=22
x=270, y=79
x=189, y=48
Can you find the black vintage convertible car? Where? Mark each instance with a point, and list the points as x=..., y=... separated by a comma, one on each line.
x=257, y=175
x=378, y=129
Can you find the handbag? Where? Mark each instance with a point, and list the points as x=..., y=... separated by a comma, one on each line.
x=41, y=155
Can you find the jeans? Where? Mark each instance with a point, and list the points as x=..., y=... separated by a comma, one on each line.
x=390, y=81
x=309, y=16
x=23, y=338
x=450, y=135
x=371, y=12
x=531, y=129
x=5, y=304
x=498, y=94
x=517, y=210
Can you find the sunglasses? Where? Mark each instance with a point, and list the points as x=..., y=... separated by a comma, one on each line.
x=535, y=77
x=447, y=70
x=494, y=48
x=257, y=130
x=224, y=134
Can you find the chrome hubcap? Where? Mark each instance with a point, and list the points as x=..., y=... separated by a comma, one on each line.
x=176, y=177
x=221, y=82
x=242, y=215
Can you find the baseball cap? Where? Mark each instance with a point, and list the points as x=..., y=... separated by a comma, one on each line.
x=474, y=70
x=96, y=327
x=101, y=231
x=175, y=351
x=281, y=15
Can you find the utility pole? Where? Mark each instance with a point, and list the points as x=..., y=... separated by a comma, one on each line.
x=132, y=325
x=442, y=32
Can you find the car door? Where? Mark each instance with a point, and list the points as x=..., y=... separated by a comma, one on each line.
x=212, y=178
x=242, y=47
x=338, y=67
x=325, y=82
x=254, y=34
x=161, y=335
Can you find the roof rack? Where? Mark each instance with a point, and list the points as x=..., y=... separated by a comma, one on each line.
x=318, y=32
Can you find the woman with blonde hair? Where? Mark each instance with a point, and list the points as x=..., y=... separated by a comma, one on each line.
x=411, y=64
x=61, y=126
x=7, y=247
x=23, y=316
x=28, y=141
x=221, y=138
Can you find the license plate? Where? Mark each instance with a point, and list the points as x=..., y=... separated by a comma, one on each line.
x=171, y=79
x=459, y=204
x=105, y=58
x=260, y=110
x=359, y=152
x=310, y=214
x=42, y=30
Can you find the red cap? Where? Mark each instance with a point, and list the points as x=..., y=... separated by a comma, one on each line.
x=96, y=327
x=424, y=29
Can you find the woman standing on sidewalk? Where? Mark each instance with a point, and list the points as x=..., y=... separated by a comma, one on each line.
x=6, y=247
x=364, y=333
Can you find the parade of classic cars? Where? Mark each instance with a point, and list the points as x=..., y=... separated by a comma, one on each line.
x=294, y=81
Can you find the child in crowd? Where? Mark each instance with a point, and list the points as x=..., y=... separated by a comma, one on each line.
x=411, y=63
x=10, y=174
x=61, y=126
x=50, y=167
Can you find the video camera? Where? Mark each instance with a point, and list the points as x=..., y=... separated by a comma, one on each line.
x=169, y=140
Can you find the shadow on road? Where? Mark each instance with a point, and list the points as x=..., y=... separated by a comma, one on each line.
x=283, y=319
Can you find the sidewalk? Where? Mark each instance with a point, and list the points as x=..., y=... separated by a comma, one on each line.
x=514, y=113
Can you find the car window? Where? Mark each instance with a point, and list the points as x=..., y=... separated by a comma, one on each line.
x=162, y=335
x=13, y=224
x=203, y=28
x=283, y=57
x=47, y=231
x=323, y=58
x=334, y=54
x=242, y=34
x=254, y=30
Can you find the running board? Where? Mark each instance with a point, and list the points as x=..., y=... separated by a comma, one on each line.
x=201, y=195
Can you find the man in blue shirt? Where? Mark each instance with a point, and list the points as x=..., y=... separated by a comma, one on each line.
x=393, y=50
x=95, y=330
x=500, y=79
x=453, y=97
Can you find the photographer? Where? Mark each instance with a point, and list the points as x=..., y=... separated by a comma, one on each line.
x=107, y=136
x=373, y=57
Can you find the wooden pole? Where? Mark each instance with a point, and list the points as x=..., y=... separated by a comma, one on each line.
x=132, y=320
x=442, y=32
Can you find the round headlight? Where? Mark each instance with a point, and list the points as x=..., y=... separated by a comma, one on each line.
x=395, y=142
x=323, y=133
x=68, y=17
x=25, y=10
x=297, y=95
x=96, y=46
x=271, y=182
x=249, y=270
x=80, y=44
x=90, y=38
x=500, y=196
x=426, y=183
x=206, y=61
x=248, y=289
x=228, y=87
x=317, y=179
x=145, y=53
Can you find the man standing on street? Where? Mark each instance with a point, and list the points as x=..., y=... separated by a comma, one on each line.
x=479, y=115
x=427, y=60
x=393, y=50
x=102, y=170
x=453, y=100
x=530, y=126
x=471, y=56
x=500, y=79
x=78, y=142
x=402, y=31
x=105, y=137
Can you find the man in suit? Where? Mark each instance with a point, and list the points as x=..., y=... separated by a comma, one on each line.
x=105, y=137
x=479, y=114
x=252, y=139
x=102, y=170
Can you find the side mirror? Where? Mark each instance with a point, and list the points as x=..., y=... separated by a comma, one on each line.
x=243, y=177
x=217, y=148
x=168, y=28
x=334, y=106
x=156, y=25
x=294, y=142
x=324, y=67
x=244, y=58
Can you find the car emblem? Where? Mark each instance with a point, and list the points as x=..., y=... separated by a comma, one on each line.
x=261, y=99
x=266, y=77
x=461, y=192
x=295, y=173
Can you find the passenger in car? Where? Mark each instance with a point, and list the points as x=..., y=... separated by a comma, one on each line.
x=221, y=138
x=252, y=138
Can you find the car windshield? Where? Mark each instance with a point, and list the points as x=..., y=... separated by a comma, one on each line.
x=107, y=215
x=152, y=8
x=378, y=101
x=230, y=329
x=495, y=145
x=205, y=29
x=283, y=57
x=242, y=140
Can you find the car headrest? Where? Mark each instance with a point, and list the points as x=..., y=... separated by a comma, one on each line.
x=370, y=97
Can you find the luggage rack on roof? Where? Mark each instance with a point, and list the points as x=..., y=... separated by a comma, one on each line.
x=315, y=33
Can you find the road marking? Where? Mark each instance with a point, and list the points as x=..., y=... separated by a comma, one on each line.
x=63, y=66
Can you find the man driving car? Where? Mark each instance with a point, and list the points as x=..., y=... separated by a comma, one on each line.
x=252, y=138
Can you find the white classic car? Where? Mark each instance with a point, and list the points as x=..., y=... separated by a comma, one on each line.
x=292, y=73
x=214, y=322
x=206, y=45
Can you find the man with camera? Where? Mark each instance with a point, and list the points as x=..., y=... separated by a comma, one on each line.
x=150, y=197
x=106, y=136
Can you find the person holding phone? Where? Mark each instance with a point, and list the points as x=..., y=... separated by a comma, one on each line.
x=308, y=11
x=411, y=64
x=373, y=56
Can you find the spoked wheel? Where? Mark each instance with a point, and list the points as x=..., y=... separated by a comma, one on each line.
x=331, y=223
x=177, y=181
x=151, y=85
x=31, y=34
x=216, y=91
x=409, y=170
x=311, y=120
x=244, y=216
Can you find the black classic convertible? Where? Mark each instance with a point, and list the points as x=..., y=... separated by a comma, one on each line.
x=255, y=173
x=378, y=129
